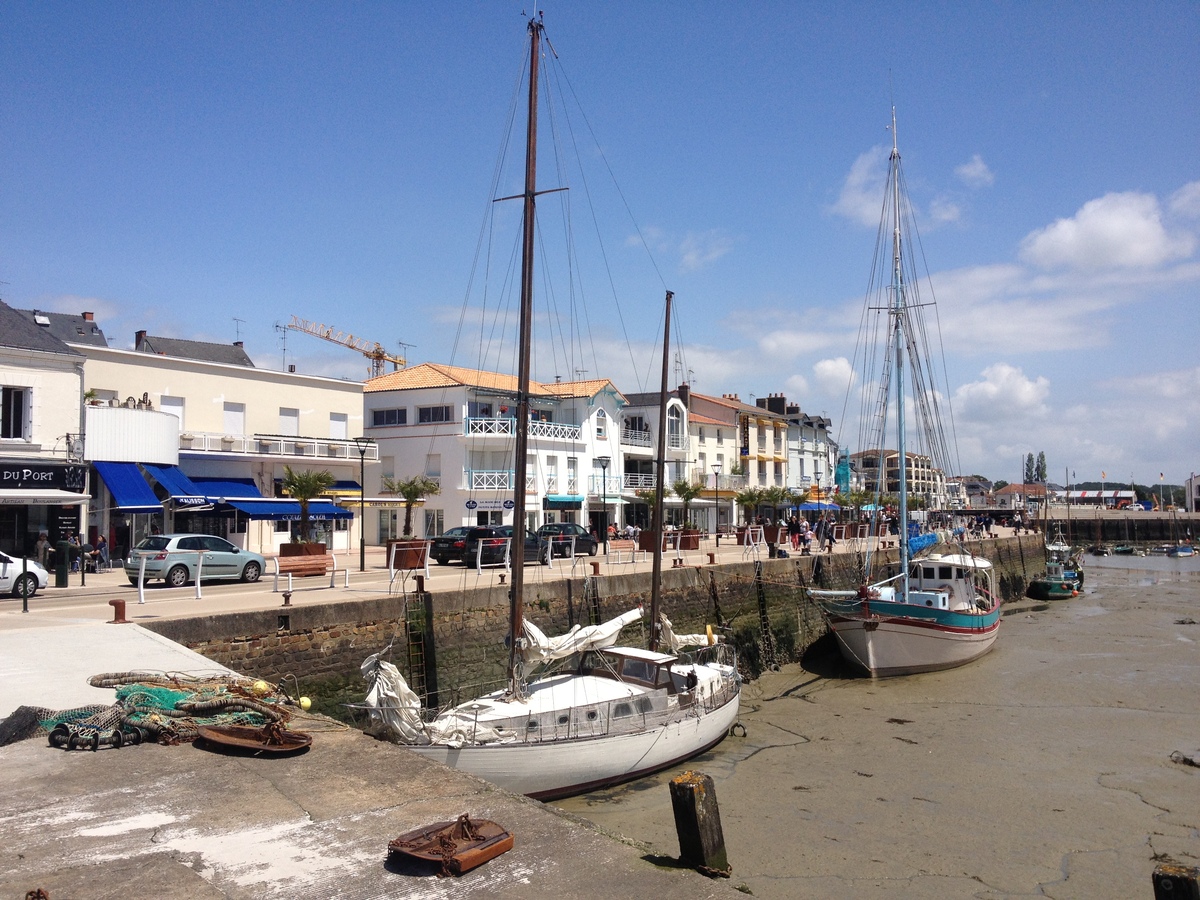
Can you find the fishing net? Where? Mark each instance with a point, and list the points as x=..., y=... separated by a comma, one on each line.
x=166, y=709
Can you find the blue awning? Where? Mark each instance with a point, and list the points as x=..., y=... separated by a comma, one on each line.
x=562, y=501
x=217, y=488
x=177, y=485
x=129, y=489
x=282, y=510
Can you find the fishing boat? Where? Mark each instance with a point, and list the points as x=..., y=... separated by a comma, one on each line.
x=1063, y=578
x=939, y=610
x=578, y=712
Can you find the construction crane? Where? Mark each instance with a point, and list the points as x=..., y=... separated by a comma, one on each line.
x=372, y=350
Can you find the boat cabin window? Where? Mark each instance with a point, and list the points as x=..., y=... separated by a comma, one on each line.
x=638, y=670
x=945, y=572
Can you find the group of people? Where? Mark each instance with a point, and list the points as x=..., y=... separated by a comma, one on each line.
x=630, y=531
x=80, y=553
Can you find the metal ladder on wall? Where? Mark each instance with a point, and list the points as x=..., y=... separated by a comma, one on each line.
x=414, y=632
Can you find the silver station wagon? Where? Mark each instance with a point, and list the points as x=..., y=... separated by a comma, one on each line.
x=175, y=559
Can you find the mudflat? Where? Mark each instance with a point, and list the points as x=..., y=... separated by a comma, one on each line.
x=1044, y=769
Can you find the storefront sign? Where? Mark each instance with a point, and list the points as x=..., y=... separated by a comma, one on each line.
x=30, y=476
x=489, y=504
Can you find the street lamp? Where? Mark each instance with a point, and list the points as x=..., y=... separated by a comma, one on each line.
x=362, y=443
x=716, y=467
x=604, y=461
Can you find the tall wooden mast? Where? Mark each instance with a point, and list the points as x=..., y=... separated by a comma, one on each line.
x=660, y=486
x=516, y=605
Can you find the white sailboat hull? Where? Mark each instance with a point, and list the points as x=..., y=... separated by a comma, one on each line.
x=546, y=770
x=903, y=646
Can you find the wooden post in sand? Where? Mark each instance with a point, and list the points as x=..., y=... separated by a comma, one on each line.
x=1175, y=882
x=698, y=824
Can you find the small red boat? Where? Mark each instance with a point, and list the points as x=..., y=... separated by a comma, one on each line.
x=458, y=846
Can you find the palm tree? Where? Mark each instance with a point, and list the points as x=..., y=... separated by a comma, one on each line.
x=749, y=500
x=412, y=490
x=303, y=487
x=687, y=491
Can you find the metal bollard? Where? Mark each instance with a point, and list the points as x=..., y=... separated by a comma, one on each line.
x=420, y=584
x=287, y=598
x=118, y=612
x=595, y=568
x=712, y=559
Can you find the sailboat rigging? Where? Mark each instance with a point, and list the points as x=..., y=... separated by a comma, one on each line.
x=941, y=609
x=597, y=714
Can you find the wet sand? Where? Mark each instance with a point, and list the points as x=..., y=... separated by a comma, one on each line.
x=1043, y=769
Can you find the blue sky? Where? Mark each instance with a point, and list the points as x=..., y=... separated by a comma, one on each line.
x=175, y=167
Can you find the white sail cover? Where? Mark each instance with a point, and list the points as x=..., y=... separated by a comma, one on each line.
x=542, y=649
x=395, y=709
x=676, y=642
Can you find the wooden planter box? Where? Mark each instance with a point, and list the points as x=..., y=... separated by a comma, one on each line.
x=690, y=539
x=309, y=549
x=407, y=554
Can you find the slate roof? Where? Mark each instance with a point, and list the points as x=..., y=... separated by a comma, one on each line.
x=230, y=354
x=18, y=331
x=73, y=328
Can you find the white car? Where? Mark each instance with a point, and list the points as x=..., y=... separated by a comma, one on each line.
x=12, y=581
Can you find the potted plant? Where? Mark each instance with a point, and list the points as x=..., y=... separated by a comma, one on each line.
x=408, y=553
x=303, y=487
x=687, y=491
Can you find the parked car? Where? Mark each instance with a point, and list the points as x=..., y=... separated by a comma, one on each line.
x=174, y=558
x=494, y=539
x=21, y=584
x=560, y=534
x=448, y=546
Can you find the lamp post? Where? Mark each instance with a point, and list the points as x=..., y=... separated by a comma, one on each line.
x=604, y=461
x=716, y=467
x=362, y=443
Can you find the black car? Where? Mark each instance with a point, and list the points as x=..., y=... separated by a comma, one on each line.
x=559, y=534
x=494, y=540
x=448, y=547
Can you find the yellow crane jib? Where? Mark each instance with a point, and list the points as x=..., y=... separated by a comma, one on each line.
x=372, y=350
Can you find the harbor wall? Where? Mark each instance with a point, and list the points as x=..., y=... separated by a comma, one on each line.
x=450, y=644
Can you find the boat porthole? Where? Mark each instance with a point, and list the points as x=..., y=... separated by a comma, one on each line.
x=591, y=714
x=563, y=720
x=929, y=603
x=532, y=725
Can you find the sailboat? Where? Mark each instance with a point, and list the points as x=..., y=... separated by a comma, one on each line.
x=578, y=712
x=941, y=609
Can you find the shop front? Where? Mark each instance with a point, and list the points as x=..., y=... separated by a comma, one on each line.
x=40, y=497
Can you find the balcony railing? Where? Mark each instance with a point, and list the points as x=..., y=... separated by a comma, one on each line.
x=609, y=486
x=489, y=479
x=559, y=431
x=273, y=445
x=636, y=437
x=634, y=482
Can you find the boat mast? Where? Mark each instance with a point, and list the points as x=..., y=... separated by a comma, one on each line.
x=516, y=594
x=898, y=313
x=660, y=466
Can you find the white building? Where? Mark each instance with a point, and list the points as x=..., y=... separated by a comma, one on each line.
x=191, y=436
x=43, y=484
x=457, y=426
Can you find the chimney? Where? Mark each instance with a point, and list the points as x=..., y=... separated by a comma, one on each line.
x=685, y=395
x=777, y=403
x=734, y=397
x=89, y=317
x=239, y=344
x=139, y=338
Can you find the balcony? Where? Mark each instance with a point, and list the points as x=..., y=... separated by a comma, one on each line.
x=489, y=479
x=610, y=486
x=272, y=445
x=632, y=481
x=636, y=437
x=506, y=427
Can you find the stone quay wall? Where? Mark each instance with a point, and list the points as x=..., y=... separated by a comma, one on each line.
x=450, y=644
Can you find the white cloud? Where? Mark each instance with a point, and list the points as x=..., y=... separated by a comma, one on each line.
x=698, y=249
x=943, y=210
x=975, y=173
x=1122, y=230
x=1186, y=201
x=1005, y=394
x=861, y=199
x=833, y=375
